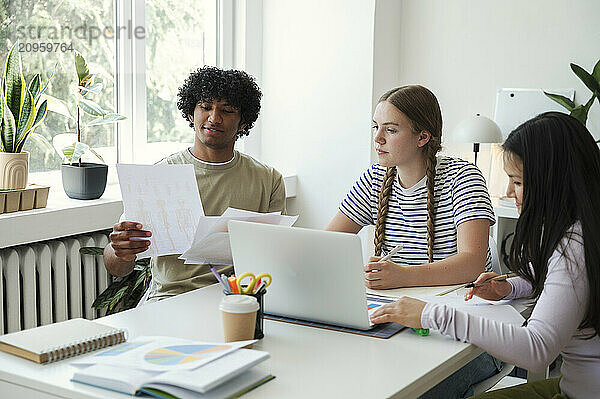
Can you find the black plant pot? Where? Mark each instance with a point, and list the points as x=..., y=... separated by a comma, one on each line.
x=87, y=181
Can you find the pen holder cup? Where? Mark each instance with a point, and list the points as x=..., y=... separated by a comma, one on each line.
x=260, y=314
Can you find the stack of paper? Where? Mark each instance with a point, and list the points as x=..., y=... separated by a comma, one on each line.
x=211, y=241
x=163, y=366
x=166, y=201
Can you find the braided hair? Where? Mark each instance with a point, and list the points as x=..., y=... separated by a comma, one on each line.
x=421, y=107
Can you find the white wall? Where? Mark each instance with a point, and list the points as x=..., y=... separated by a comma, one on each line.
x=325, y=63
x=464, y=51
x=317, y=83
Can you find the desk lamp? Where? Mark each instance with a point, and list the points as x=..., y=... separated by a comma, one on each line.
x=477, y=129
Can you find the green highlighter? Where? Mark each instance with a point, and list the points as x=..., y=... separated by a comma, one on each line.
x=423, y=332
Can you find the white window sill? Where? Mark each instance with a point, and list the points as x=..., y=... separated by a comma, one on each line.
x=64, y=216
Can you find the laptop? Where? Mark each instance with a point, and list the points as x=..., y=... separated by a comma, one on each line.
x=317, y=275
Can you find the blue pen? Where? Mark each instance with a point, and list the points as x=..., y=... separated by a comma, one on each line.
x=212, y=269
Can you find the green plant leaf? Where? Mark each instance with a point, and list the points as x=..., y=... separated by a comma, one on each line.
x=49, y=80
x=96, y=154
x=35, y=87
x=90, y=107
x=587, y=79
x=117, y=297
x=596, y=71
x=562, y=100
x=91, y=251
x=95, y=88
x=42, y=143
x=74, y=151
x=9, y=129
x=2, y=146
x=81, y=67
x=25, y=119
x=14, y=82
x=39, y=118
x=108, y=118
x=57, y=106
x=581, y=111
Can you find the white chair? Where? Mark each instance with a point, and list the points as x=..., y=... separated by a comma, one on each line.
x=506, y=368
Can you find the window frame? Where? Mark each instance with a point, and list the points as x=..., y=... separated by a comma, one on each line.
x=131, y=70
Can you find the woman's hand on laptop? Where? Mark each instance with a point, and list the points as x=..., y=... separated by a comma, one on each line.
x=405, y=311
x=382, y=275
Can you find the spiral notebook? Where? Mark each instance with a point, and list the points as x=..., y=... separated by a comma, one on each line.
x=58, y=341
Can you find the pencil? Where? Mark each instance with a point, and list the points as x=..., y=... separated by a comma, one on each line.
x=501, y=277
x=392, y=253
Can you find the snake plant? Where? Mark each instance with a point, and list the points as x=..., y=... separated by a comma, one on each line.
x=22, y=107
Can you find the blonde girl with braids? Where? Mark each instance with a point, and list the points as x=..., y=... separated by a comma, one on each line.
x=437, y=207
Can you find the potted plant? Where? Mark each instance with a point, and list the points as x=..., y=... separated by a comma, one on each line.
x=592, y=82
x=123, y=292
x=22, y=110
x=85, y=180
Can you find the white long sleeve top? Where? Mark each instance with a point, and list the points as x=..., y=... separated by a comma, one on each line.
x=553, y=327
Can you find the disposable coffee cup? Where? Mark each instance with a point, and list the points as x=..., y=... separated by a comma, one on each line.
x=239, y=317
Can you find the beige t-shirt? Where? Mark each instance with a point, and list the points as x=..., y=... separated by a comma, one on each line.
x=242, y=183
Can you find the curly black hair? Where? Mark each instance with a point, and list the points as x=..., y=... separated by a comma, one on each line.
x=209, y=83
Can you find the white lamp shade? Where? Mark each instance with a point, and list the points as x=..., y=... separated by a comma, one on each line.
x=477, y=129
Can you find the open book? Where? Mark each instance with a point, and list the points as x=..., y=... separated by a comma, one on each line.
x=225, y=377
x=163, y=366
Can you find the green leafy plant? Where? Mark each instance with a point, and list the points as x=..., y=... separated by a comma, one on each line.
x=124, y=292
x=592, y=82
x=22, y=106
x=87, y=86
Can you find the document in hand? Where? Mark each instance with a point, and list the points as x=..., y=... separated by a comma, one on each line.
x=165, y=200
x=162, y=366
x=211, y=242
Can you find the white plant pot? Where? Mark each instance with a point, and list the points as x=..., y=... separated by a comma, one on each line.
x=14, y=170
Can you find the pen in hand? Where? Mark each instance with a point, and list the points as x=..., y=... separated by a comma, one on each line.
x=501, y=277
x=392, y=253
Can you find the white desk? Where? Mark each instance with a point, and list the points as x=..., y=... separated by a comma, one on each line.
x=307, y=362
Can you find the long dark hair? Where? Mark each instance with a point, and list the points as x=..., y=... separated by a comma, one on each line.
x=561, y=186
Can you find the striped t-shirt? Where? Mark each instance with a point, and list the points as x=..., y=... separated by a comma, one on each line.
x=460, y=195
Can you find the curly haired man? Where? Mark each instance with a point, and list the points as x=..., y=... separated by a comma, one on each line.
x=221, y=106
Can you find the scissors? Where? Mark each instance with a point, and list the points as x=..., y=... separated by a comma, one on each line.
x=249, y=289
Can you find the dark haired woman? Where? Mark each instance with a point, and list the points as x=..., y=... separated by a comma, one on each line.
x=438, y=208
x=553, y=165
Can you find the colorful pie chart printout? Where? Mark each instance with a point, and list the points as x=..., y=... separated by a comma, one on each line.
x=181, y=354
x=159, y=354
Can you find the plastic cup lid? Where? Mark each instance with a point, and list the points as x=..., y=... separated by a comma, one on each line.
x=239, y=304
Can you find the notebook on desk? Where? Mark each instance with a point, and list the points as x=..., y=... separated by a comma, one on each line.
x=318, y=276
x=56, y=341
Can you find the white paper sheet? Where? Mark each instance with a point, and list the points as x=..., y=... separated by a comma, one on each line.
x=159, y=354
x=211, y=241
x=165, y=200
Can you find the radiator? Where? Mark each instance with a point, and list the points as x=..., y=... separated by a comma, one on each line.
x=50, y=281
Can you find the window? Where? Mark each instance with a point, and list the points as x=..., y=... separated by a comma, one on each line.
x=48, y=33
x=140, y=50
x=181, y=36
